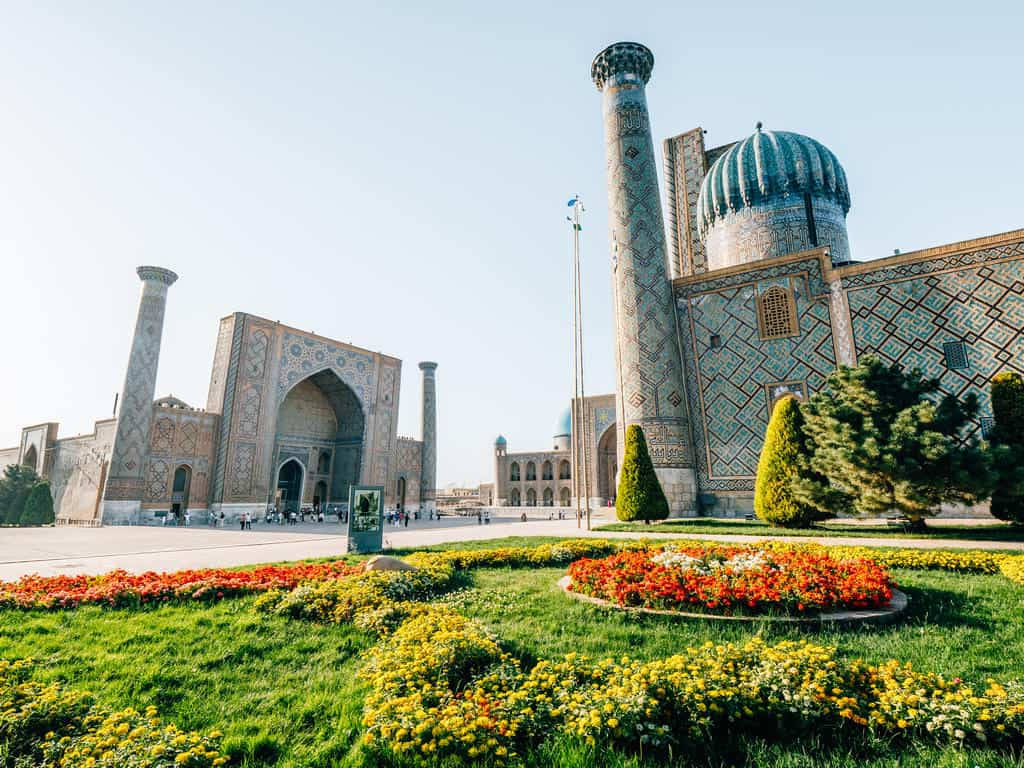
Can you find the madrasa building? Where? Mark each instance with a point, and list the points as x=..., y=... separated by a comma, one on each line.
x=753, y=291
x=291, y=419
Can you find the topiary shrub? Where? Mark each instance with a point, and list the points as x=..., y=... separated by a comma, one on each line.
x=38, y=506
x=1007, y=440
x=640, y=496
x=783, y=455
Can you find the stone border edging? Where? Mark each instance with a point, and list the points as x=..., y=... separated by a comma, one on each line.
x=883, y=615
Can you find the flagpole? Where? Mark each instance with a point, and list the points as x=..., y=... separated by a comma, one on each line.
x=579, y=392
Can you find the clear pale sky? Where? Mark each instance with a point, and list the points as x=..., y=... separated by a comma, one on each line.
x=395, y=175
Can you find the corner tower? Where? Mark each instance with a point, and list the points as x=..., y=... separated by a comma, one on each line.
x=122, y=496
x=651, y=390
x=428, y=434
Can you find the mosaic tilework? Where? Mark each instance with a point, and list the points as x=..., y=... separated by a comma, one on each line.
x=727, y=384
x=163, y=436
x=685, y=166
x=428, y=477
x=925, y=306
x=302, y=356
x=135, y=412
x=647, y=350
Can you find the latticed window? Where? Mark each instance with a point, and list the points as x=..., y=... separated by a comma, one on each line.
x=955, y=353
x=513, y=473
x=776, y=314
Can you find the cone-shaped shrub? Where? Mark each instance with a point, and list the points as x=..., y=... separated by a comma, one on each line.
x=782, y=456
x=1008, y=446
x=640, y=496
x=38, y=506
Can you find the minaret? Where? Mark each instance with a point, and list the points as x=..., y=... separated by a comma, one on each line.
x=428, y=434
x=122, y=496
x=650, y=390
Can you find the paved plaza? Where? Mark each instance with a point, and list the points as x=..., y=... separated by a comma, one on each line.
x=68, y=550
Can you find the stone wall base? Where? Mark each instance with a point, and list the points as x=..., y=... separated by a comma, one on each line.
x=680, y=487
x=121, y=512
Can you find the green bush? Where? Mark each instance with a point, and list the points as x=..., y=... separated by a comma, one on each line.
x=15, y=485
x=640, y=496
x=1008, y=446
x=783, y=455
x=38, y=506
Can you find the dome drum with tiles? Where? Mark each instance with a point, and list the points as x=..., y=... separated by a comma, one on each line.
x=772, y=194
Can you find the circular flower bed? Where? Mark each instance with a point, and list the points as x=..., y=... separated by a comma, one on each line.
x=733, y=580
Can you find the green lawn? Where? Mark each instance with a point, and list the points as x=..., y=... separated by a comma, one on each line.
x=703, y=525
x=285, y=694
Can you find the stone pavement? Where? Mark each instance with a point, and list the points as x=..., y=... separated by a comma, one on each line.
x=53, y=551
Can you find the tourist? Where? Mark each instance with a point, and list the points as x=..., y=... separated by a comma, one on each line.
x=479, y=517
x=188, y=518
x=241, y=522
x=222, y=518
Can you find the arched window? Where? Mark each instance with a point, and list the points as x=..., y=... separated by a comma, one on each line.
x=31, y=458
x=564, y=470
x=514, y=498
x=531, y=471
x=513, y=472
x=545, y=471
x=531, y=498
x=565, y=498
x=549, y=497
x=776, y=314
x=323, y=464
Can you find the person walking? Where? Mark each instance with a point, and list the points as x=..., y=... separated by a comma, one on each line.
x=241, y=522
x=188, y=518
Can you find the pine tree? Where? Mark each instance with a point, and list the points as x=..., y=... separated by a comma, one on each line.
x=783, y=459
x=640, y=496
x=38, y=506
x=881, y=445
x=15, y=486
x=1007, y=440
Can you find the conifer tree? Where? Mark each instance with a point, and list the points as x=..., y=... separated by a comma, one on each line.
x=640, y=496
x=1007, y=440
x=38, y=506
x=15, y=485
x=881, y=445
x=784, y=458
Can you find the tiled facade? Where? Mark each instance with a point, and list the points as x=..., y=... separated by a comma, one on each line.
x=764, y=218
x=278, y=396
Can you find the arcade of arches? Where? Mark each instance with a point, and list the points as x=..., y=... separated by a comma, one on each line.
x=318, y=443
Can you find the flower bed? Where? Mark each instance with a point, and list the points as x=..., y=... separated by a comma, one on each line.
x=123, y=589
x=120, y=588
x=49, y=725
x=729, y=580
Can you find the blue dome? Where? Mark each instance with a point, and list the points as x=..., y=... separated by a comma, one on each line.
x=564, y=426
x=769, y=165
x=501, y=440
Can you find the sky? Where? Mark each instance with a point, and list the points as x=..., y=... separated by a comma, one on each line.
x=396, y=175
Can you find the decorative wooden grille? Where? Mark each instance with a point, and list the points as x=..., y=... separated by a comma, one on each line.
x=777, y=314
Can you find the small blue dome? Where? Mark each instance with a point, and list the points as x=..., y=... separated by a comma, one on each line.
x=564, y=426
x=501, y=440
x=768, y=165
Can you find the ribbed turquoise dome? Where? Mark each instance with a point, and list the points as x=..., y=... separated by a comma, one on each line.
x=564, y=426
x=501, y=440
x=768, y=165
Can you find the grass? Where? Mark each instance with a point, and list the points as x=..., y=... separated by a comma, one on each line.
x=285, y=692
x=712, y=525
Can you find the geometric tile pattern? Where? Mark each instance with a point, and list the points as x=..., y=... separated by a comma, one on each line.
x=728, y=383
x=156, y=483
x=302, y=356
x=647, y=348
x=163, y=436
x=428, y=473
x=136, y=404
x=916, y=315
x=685, y=166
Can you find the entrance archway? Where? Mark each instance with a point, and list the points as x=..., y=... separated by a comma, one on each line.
x=400, y=494
x=319, y=495
x=289, y=486
x=31, y=458
x=180, y=487
x=607, y=464
x=321, y=421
